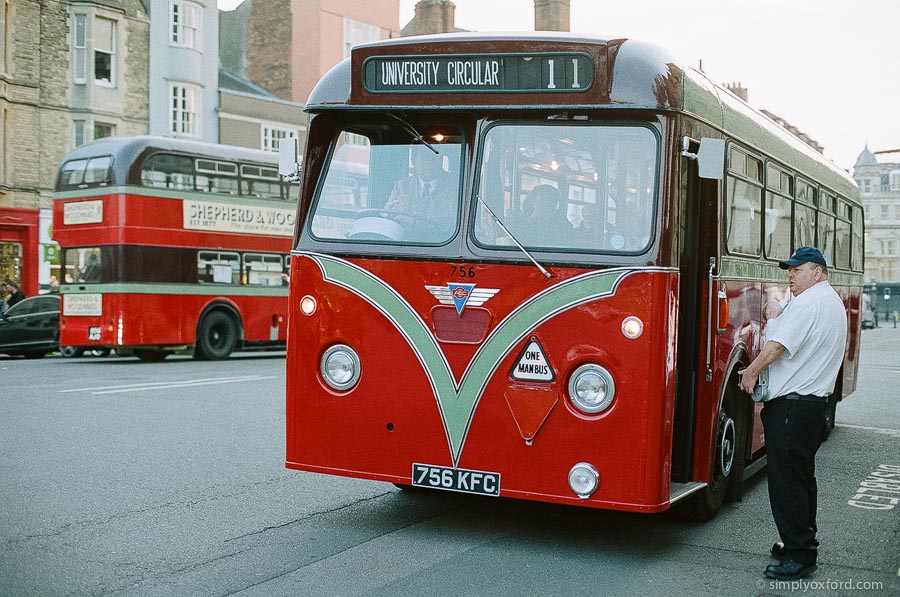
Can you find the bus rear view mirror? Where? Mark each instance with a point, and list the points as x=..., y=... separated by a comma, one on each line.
x=711, y=158
x=287, y=158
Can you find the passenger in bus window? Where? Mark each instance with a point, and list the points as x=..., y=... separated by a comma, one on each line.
x=587, y=231
x=427, y=196
x=803, y=354
x=92, y=269
x=548, y=224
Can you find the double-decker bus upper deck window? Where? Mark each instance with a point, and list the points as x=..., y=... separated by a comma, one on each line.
x=560, y=187
x=260, y=181
x=217, y=177
x=381, y=185
x=168, y=171
x=85, y=173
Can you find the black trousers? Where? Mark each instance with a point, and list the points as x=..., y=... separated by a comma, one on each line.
x=793, y=434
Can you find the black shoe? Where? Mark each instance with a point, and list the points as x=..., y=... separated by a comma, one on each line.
x=788, y=570
x=778, y=551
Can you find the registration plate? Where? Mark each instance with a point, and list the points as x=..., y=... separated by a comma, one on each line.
x=94, y=332
x=456, y=479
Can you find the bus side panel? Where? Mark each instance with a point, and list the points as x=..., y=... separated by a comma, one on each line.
x=391, y=418
x=169, y=320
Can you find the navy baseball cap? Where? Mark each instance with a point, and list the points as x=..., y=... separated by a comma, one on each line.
x=803, y=255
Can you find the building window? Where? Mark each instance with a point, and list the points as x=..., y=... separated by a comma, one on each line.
x=79, y=133
x=104, y=51
x=885, y=212
x=865, y=186
x=185, y=24
x=4, y=35
x=356, y=33
x=889, y=248
x=103, y=129
x=895, y=181
x=79, y=50
x=272, y=136
x=184, y=99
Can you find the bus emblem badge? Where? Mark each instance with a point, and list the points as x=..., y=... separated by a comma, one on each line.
x=460, y=295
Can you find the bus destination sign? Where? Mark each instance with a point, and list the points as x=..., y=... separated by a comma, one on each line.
x=479, y=73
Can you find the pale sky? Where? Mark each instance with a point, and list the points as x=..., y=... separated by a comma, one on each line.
x=831, y=68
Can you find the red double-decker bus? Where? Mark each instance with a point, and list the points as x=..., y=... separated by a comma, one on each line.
x=564, y=319
x=172, y=245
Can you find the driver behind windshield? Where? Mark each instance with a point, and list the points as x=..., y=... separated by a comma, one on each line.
x=427, y=195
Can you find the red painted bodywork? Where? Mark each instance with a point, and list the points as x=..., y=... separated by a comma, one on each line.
x=162, y=319
x=390, y=419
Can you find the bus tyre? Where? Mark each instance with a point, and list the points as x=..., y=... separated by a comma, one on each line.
x=727, y=465
x=218, y=337
x=150, y=355
x=71, y=352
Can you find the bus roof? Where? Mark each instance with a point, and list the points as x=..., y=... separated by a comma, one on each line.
x=625, y=74
x=130, y=148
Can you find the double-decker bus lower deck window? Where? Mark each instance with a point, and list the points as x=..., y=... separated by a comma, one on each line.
x=263, y=269
x=383, y=185
x=218, y=267
x=561, y=187
x=85, y=265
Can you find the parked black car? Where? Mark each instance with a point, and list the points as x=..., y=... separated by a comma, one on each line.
x=31, y=327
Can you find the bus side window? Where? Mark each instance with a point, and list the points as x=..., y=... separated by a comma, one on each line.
x=168, y=171
x=263, y=269
x=218, y=267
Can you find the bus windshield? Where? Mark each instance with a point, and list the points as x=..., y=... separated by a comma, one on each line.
x=554, y=187
x=568, y=187
x=385, y=185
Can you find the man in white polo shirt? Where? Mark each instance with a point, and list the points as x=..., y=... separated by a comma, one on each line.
x=803, y=352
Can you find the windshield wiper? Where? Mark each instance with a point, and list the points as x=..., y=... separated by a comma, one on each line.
x=416, y=135
x=514, y=239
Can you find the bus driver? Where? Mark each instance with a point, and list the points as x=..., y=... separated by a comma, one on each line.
x=427, y=196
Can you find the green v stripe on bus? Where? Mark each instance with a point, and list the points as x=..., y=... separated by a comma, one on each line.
x=457, y=401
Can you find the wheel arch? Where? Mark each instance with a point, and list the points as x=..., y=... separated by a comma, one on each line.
x=226, y=306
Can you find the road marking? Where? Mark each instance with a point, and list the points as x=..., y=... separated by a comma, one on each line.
x=891, y=432
x=165, y=385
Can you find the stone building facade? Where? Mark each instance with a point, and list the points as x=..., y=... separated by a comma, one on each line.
x=878, y=176
x=317, y=34
x=70, y=71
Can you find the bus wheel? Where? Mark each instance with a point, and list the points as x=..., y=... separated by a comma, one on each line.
x=218, y=337
x=100, y=352
x=71, y=351
x=727, y=465
x=150, y=356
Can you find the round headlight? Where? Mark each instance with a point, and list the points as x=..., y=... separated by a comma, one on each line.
x=584, y=480
x=340, y=367
x=591, y=388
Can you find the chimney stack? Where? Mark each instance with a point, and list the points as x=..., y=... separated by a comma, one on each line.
x=434, y=16
x=551, y=15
